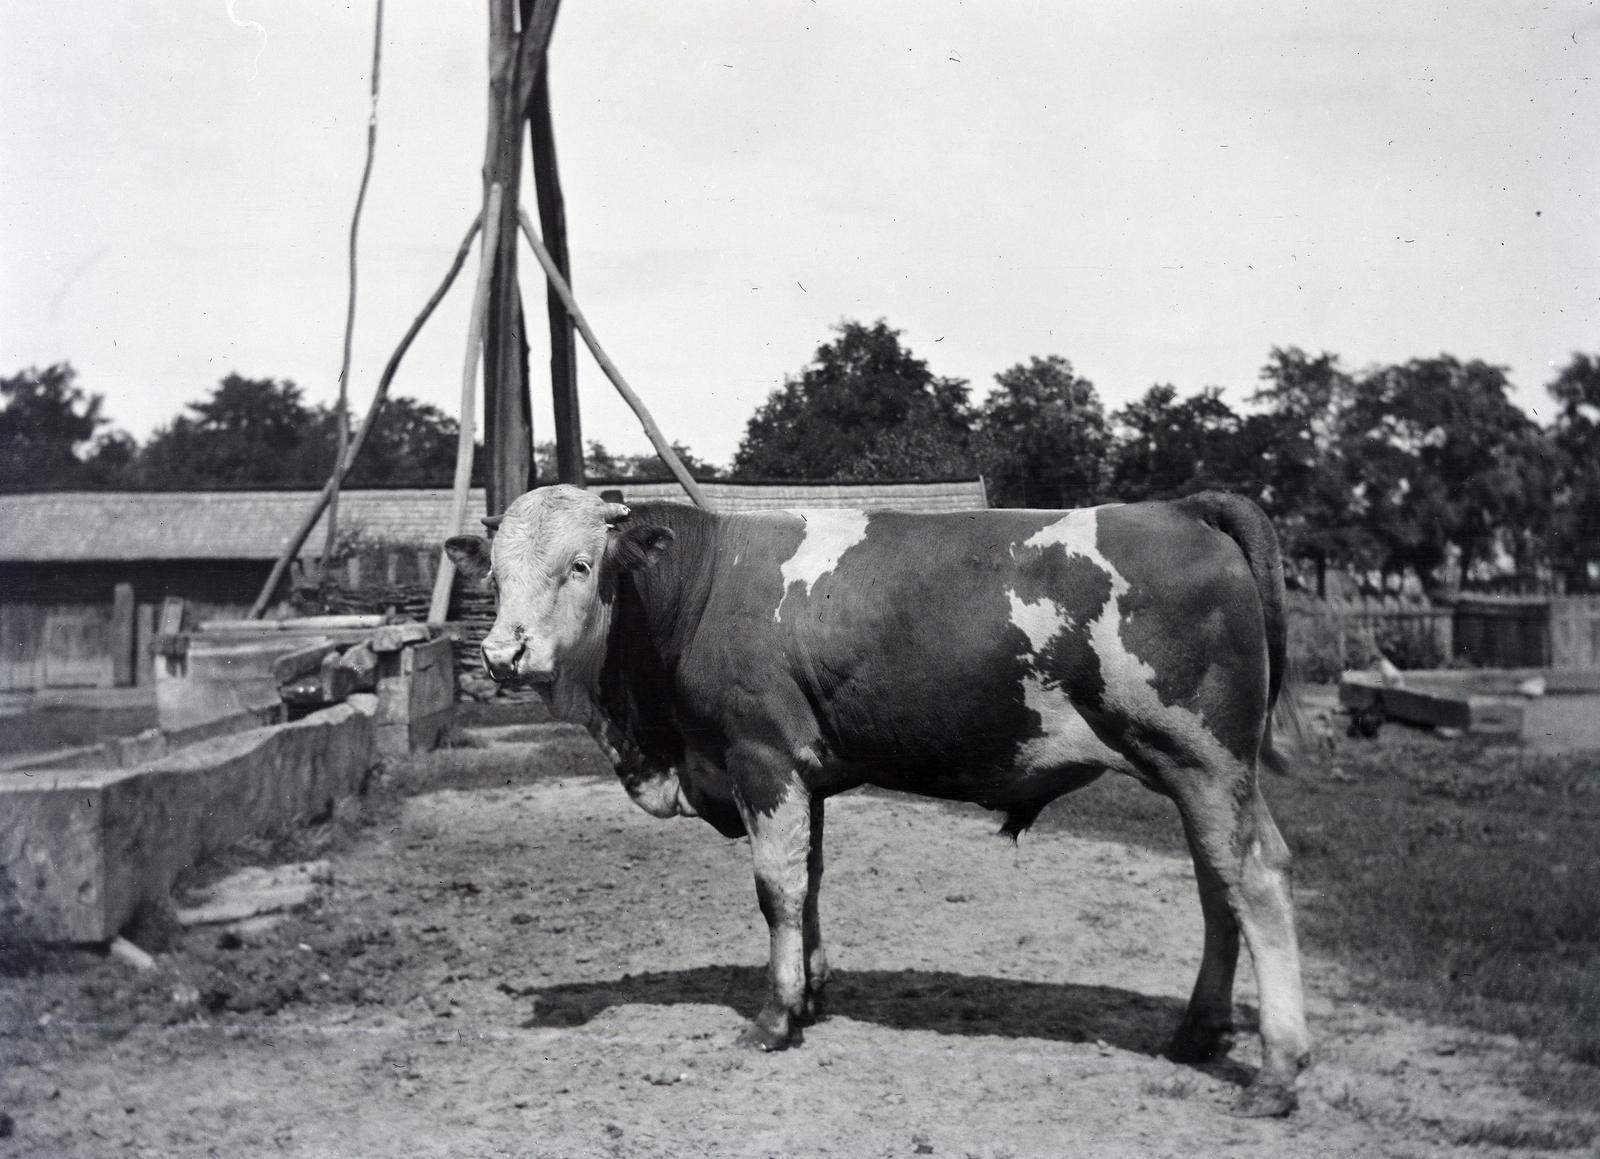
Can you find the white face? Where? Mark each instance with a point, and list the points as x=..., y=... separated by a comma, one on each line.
x=546, y=561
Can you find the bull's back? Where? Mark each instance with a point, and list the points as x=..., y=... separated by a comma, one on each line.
x=941, y=641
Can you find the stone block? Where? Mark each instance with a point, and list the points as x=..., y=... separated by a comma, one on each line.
x=82, y=850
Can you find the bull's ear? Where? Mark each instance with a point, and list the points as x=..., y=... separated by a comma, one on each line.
x=636, y=548
x=470, y=554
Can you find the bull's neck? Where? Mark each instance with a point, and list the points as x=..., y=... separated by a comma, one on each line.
x=624, y=694
x=671, y=596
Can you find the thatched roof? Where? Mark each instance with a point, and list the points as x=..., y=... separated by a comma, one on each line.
x=958, y=495
x=78, y=526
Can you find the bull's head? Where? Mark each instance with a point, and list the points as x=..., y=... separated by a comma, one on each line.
x=554, y=560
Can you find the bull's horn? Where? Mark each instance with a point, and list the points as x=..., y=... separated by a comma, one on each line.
x=617, y=512
x=492, y=522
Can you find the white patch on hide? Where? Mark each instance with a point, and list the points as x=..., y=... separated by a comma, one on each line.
x=827, y=535
x=1129, y=681
x=1067, y=739
x=1039, y=622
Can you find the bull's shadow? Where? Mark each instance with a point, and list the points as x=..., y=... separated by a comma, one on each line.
x=905, y=1000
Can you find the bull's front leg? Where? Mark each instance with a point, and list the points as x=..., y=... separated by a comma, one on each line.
x=777, y=813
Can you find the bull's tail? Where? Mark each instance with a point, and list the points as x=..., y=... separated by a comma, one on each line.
x=1248, y=526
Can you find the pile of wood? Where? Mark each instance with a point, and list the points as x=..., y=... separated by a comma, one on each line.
x=331, y=667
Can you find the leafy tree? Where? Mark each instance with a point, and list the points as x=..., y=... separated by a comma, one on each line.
x=1575, y=439
x=250, y=431
x=1444, y=458
x=864, y=408
x=48, y=428
x=1045, y=436
x=1310, y=486
x=411, y=444
x=1167, y=447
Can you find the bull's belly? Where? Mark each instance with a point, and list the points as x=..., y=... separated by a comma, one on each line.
x=1060, y=754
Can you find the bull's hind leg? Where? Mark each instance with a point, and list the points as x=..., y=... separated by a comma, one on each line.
x=1242, y=865
x=1207, y=1027
x=811, y=925
x=780, y=826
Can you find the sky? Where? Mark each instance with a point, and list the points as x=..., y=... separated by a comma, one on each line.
x=1159, y=191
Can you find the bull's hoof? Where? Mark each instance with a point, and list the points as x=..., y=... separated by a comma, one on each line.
x=814, y=1009
x=1195, y=1043
x=1265, y=1099
x=758, y=1037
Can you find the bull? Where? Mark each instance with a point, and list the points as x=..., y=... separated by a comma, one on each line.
x=744, y=667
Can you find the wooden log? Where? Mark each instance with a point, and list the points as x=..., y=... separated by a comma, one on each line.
x=393, y=637
x=291, y=549
x=446, y=574
x=652, y=432
x=1491, y=715
x=123, y=632
x=362, y=660
x=293, y=666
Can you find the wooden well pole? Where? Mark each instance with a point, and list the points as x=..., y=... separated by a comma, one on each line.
x=563, y=343
x=439, y=606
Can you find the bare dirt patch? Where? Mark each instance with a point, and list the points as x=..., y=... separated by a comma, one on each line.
x=540, y=969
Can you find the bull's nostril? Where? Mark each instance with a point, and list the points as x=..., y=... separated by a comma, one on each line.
x=501, y=668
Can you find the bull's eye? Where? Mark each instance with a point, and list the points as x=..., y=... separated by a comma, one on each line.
x=581, y=569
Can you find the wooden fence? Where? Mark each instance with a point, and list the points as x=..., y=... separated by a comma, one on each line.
x=1326, y=637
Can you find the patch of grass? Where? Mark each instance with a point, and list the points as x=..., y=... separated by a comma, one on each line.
x=1559, y=1135
x=1176, y=1087
x=1458, y=881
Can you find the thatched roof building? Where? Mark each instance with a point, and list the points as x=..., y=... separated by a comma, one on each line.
x=108, y=526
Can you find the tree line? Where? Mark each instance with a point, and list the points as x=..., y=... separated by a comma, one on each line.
x=1425, y=468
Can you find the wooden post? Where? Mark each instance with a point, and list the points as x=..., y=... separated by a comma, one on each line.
x=291, y=549
x=507, y=409
x=563, y=343
x=440, y=605
x=144, y=635
x=122, y=635
x=652, y=432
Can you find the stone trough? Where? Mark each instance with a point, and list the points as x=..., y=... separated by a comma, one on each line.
x=262, y=727
x=82, y=850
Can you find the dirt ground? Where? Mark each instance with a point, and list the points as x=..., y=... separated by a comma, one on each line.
x=540, y=969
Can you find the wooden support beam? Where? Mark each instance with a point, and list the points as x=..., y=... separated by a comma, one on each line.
x=563, y=342
x=507, y=404
x=445, y=577
x=652, y=432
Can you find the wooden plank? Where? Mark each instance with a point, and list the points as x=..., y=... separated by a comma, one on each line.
x=77, y=647
x=171, y=622
x=21, y=647
x=1436, y=706
x=296, y=664
x=123, y=635
x=144, y=636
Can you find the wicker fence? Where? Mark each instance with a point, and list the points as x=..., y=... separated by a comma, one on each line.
x=1327, y=637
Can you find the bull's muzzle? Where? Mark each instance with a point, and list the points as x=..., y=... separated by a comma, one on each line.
x=507, y=663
